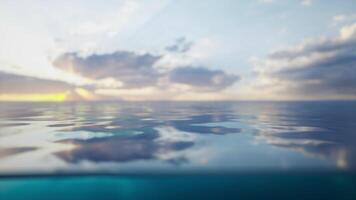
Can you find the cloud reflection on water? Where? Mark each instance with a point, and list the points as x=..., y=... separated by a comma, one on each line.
x=182, y=133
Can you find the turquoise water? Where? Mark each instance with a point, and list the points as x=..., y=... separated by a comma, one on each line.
x=164, y=148
x=258, y=186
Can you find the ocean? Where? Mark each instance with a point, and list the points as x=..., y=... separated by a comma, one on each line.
x=177, y=150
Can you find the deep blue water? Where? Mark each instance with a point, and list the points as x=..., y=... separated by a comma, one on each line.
x=162, y=149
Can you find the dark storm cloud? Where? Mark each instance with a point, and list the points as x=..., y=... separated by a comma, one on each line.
x=16, y=84
x=202, y=78
x=134, y=70
x=181, y=45
x=326, y=66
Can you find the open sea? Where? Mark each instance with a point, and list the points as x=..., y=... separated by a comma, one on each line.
x=178, y=150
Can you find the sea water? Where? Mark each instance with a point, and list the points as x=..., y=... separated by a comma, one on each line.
x=166, y=150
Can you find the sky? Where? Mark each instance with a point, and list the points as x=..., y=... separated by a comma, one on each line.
x=138, y=50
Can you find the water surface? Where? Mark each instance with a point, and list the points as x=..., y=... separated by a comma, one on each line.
x=176, y=137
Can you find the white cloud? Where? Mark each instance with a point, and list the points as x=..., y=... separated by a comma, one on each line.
x=266, y=1
x=303, y=2
x=348, y=32
x=307, y=2
x=109, y=23
x=343, y=19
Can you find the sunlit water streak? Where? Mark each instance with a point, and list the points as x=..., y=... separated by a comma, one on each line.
x=176, y=137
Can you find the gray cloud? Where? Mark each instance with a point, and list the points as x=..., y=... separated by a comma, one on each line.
x=181, y=45
x=136, y=71
x=4, y=152
x=202, y=78
x=15, y=84
x=319, y=67
x=132, y=69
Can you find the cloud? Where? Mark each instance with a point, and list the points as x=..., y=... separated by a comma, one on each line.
x=123, y=71
x=185, y=52
x=317, y=67
x=132, y=69
x=95, y=27
x=302, y=2
x=307, y=2
x=176, y=72
x=16, y=84
x=181, y=45
x=108, y=23
x=341, y=19
x=14, y=87
x=202, y=78
x=4, y=152
x=266, y=1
